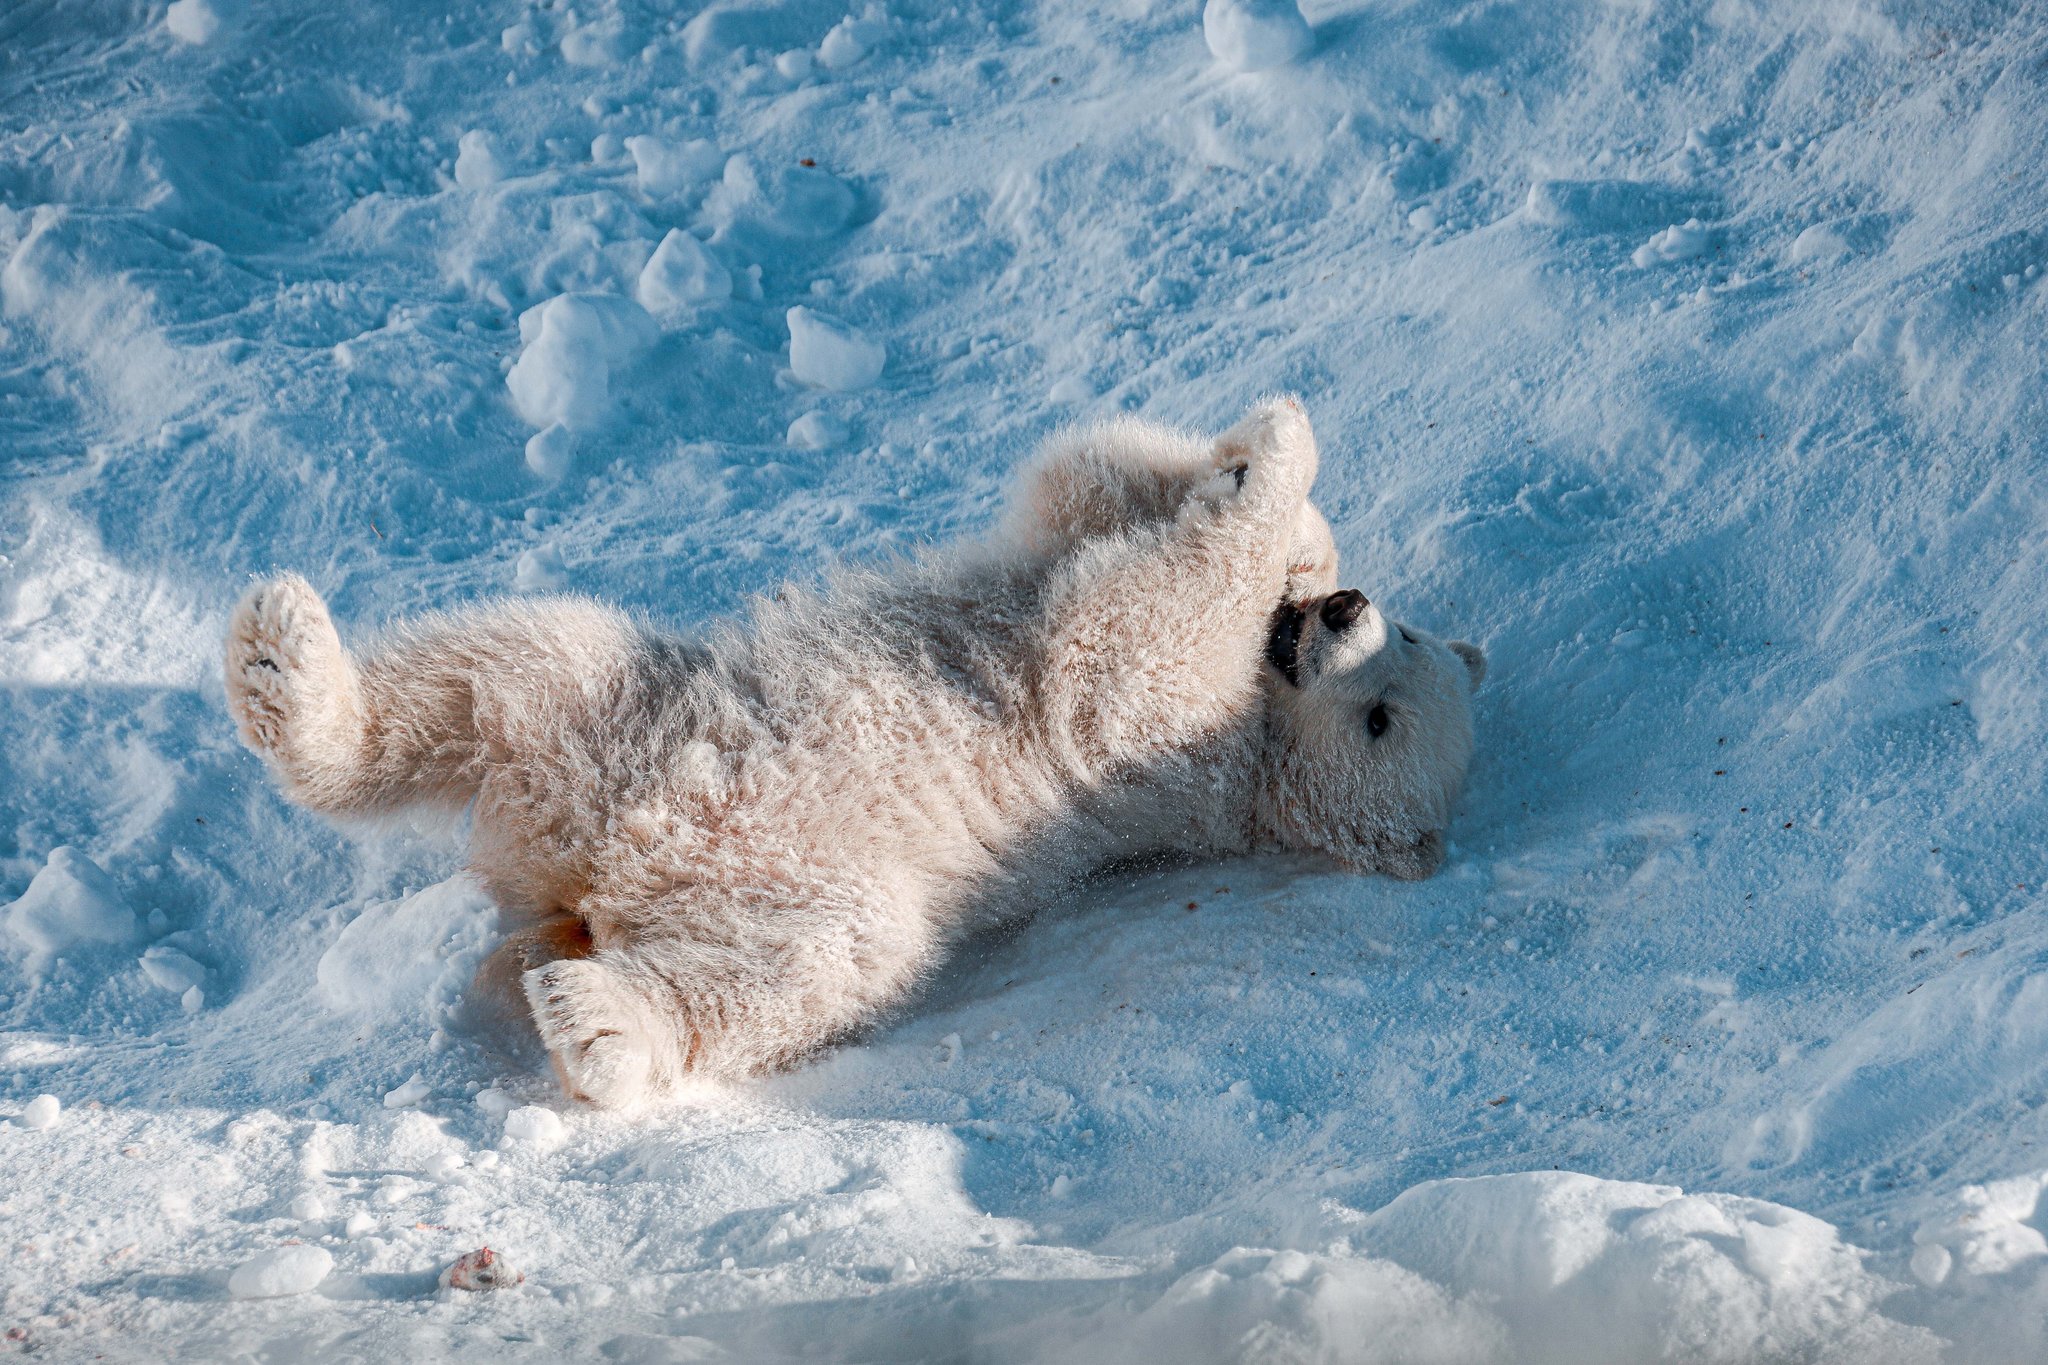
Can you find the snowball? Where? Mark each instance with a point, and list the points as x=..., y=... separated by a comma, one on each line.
x=682, y=274
x=478, y=162
x=532, y=1123
x=798, y=201
x=494, y=1102
x=199, y=21
x=816, y=431
x=665, y=168
x=309, y=1207
x=571, y=345
x=193, y=1000
x=844, y=45
x=606, y=148
x=539, y=570
x=42, y=1112
x=551, y=451
x=69, y=902
x=285, y=1270
x=794, y=65
x=170, y=970
x=409, y=1094
x=1679, y=242
x=832, y=354
x=1255, y=35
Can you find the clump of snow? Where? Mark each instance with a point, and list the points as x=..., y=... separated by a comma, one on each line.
x=1989, y=1229
x=41, y=1113
x=551, y=451
x=665, y=169
x=832, y=354
x=533, y=1123
x=168, y=969
x=795, y=201
x=1256, y=35
x=414, y=1089
x=571, y=346
x=1679, y=242
x=540, y=569
x=816, y=431
x=1818, y=242
x=682, y=273
x=199, y=22
x=795, y=65
x=848, y=42
x=70, y=903
x=282, y=1272
x=479, y=163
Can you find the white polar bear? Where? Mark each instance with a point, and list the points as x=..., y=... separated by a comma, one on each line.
x=735, y=850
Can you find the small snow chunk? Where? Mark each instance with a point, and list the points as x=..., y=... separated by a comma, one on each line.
x=41, y=1113
x=845, y=45
x=606, y=148
x=949, y=1049
x=570, y=348
x=830, y=354
x=532, y=1123
x=361, y=1223
x=478, y=162
x=1679, y=242
x=539, y=570
x=665, y=169
x=409, y=1094
x=1930, y=1264
x=480, y=1271
x=198, y=21
x=71, y=901
x=816, y=431
x=1072, y=389
x=495, y=1102
x=794, y=66
x=796, y=201
x=1818, y=243
x=681, y=274
x=193, y=1000
x=309, y=1207
x=551, y=451
x=281, y=1272
x=170, y=970
x=1256, y=35
x=443, y=1167
x=1423, y=218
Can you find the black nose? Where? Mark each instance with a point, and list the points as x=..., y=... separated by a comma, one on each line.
x=1342, y=607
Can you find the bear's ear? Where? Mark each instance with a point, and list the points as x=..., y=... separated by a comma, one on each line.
x=1411, y=860
x=1475, y=661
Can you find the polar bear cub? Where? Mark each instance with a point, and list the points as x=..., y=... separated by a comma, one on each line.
x=729, y=852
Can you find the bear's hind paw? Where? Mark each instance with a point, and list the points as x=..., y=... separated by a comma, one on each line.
x=597, y=1030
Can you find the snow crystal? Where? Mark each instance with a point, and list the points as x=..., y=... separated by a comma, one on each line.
x=571, y=346
x=41, y=1113
x=682, y=274
x=479, y=163
x=665, y=169
x=1255, y=35
x=69, y=903
x=275, y=1274
x=832, y=354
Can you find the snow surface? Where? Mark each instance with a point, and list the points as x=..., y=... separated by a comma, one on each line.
x=1688, y=356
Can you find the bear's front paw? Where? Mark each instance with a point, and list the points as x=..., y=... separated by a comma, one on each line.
x=1273, y=438
x=286, y=674
x=597, y=1028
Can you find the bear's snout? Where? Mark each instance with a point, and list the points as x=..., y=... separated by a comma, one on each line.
x=1341, y=608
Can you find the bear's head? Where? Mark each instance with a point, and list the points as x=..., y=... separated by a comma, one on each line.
x=1369, y=730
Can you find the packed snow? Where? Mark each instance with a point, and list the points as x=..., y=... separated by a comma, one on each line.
x=1687, y=356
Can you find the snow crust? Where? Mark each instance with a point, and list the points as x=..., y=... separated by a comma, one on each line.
x=1687, y=356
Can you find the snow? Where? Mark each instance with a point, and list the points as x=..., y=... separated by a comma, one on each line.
x=1686, y=356
x=1255, y=35
x=277, y=1274
x=832, y=354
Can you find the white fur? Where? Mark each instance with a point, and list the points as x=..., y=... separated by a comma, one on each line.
x=736, y=850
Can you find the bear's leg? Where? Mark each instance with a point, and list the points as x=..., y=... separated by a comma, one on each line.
x=1100, y=480
x=609, y=1029
x=418, y=720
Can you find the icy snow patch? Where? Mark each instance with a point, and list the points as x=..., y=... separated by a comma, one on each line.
x=682, y=274
x=1255, y=35
x=70, y=902
x=284, y=1271
x=572, y=345
x=832, y=354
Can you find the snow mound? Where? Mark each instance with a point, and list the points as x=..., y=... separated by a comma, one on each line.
x=682, y=274
x=1256, y=35
x=1679, y=242
x=70, y=903
x=665, y=169
x=830, y=354
x=276, y=1274
x=572, y=346
x=399, y=956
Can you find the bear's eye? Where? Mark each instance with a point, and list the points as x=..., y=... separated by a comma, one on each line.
x=1376, y=720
